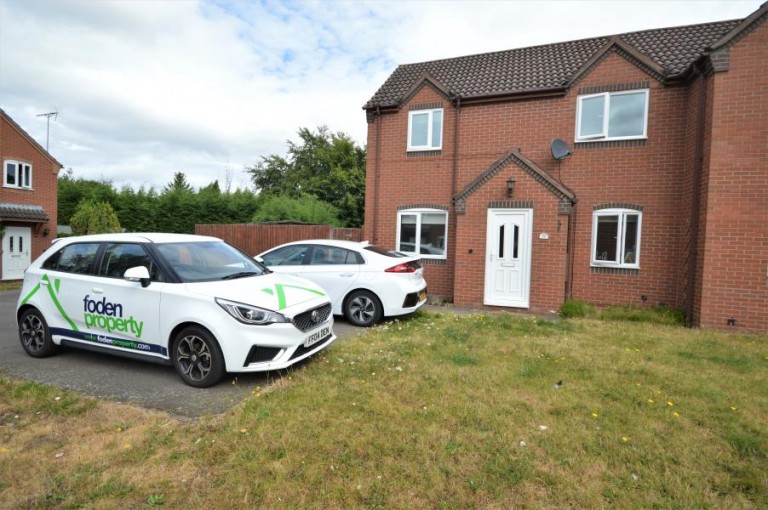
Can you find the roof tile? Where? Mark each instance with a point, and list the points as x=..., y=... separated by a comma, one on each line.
x=550, y=66
x=10, y=211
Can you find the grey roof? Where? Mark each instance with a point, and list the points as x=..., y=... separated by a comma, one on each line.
x=22, y=212
x=670, y=50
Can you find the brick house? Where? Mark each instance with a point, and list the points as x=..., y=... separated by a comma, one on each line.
x=28, y=198
x=629, y=169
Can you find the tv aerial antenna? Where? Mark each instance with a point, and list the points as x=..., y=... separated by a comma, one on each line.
x=48, y=116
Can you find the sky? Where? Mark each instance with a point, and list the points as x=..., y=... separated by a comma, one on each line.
x=148, y=88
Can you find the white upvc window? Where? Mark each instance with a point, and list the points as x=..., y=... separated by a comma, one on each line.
x=425, y=130
x=423, y=232
x=17, y=174
x=616, y=238
x=612, y=116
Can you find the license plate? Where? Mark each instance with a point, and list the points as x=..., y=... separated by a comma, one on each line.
x=423, y=295
x=317, y=336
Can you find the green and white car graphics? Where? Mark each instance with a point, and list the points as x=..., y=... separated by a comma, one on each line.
x=210, y=311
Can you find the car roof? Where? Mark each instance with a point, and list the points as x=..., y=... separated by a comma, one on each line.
x=140, y=237
x=331, y=242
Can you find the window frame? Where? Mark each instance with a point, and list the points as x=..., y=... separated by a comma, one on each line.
x=620, y=238
x=417, y=245
x=430, y=124
x=19, y=174
x=603, y=135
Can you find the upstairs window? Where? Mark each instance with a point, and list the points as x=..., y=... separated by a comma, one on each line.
x=425, y=130
x=422, y=232
x=616, y=238
x=612, y=116
x=17, y=174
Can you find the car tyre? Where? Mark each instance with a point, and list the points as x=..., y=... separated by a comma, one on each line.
x=34, y=334
x=363, y=308
x=197, y=357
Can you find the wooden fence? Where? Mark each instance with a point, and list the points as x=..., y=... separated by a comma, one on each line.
x=254, y=238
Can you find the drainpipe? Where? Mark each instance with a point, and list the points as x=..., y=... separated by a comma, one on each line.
x=454, y=176
x=454, y=179
x=698, y=165
x=569, y=262
x=376, y=159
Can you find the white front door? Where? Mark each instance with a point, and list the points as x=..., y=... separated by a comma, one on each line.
x=508, y=257
x=16, y=252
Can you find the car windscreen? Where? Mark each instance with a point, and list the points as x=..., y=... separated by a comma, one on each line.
x=387, y=253
x=206, y=261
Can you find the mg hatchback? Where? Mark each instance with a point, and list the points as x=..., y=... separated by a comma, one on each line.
x=191, y=301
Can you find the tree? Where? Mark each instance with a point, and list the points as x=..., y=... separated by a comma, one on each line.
x=73, y=191
x=328, y=166
x=306, y=209
x=179, y=183
x=94, y=218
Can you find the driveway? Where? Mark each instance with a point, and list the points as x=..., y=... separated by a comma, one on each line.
x=143, y=384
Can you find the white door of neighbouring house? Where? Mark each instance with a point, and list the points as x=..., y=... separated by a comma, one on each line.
x=508, y=257
x=16, y=252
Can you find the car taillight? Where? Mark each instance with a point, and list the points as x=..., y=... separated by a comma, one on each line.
x=407, y=267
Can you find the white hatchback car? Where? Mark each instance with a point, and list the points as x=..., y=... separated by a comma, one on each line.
x=191, y=301
x=365, y=282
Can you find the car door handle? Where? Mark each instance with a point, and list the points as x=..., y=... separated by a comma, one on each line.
x=97, y=290
x=346, y=275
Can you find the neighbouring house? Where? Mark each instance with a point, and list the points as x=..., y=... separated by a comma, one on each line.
x=28, y=198
x=627, y=169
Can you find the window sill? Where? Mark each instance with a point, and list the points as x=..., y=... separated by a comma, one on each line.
x=615, y=270
x=602, y=142
x=433, y=262
x=423, y=153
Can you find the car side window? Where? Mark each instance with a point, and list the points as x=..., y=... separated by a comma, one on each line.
x=286, y=256
x=332, y=255
x=119, y=257
x=77, y=258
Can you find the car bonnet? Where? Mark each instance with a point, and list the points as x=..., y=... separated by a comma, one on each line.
x=279, y=292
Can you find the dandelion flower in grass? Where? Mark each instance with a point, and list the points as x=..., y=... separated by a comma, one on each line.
x=676, y=415
x=733, y=408
x=594, y=415
x=624, y=439
x=650, y=401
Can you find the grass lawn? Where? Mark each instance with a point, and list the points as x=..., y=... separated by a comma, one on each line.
x=14, y=285
x=437, y=411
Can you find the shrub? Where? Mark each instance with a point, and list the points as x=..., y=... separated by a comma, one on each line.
x=575, y=308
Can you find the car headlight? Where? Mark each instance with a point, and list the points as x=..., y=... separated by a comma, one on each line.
x=248, y=314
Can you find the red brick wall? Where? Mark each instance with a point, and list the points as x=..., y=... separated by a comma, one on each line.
x=650, y=176
x=735, y=274
x=405, y=180
x=656, y=175
x=44, y=192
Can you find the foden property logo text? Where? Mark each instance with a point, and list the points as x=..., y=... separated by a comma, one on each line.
x=109, y=317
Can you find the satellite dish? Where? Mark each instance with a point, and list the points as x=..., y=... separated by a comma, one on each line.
x=560, y=149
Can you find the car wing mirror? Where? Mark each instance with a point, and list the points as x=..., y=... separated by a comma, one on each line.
x=137, y=274
x=260, y=260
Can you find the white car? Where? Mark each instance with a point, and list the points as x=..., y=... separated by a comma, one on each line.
x=365, y=282
x=191, y=301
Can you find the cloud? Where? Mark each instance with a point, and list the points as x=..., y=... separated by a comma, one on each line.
x=146, y=89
